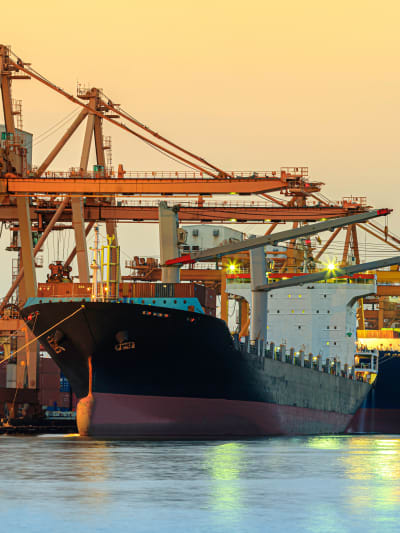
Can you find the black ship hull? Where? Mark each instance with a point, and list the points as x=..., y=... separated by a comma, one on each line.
x=148, y=371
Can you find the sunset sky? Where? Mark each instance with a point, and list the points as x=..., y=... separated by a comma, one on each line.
x=248, y=85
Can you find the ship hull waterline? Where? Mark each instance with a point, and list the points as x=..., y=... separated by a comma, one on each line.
x=121, y=415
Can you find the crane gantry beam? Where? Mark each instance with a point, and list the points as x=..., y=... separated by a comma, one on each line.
x=228, y=213
x=102, y=186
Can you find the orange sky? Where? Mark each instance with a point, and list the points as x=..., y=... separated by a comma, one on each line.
x=248, y=85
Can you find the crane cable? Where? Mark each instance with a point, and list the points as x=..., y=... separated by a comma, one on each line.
x=124, y=114
x=30, y=71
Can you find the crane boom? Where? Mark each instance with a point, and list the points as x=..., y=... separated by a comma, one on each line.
x=273, y=239
x=328, y=274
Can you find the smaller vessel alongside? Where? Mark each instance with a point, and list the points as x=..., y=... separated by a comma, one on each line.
x=380, y=411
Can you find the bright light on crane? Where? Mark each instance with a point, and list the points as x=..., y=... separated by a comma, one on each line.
x=331, y=265
x=231, y=267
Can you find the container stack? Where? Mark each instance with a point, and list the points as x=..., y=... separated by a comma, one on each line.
x=205, y=295
x=49, y=383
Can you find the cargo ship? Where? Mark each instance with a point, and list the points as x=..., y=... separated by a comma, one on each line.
x=162, y=366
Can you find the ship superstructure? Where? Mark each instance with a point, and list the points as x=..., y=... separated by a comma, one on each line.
x=318, y=318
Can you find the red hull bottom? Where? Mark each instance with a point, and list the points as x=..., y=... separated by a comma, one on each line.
x=376, y=421
x=122, y=415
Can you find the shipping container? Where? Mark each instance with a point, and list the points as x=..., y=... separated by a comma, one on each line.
x=164, y=290
x=65, y=400
x=49, y=398
x=63, y=290
x=82, y=290
x=200, y=293
x=49, y=382
x=144, y=290
x=46, y=290
x=126, y=290
x=211, y=298
x=184, y=290
x=48, y=366
x=3, y=375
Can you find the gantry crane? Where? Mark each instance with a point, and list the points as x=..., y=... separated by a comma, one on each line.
x=63, y=191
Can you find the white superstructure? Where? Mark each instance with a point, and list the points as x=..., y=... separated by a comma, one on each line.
x=318, y=318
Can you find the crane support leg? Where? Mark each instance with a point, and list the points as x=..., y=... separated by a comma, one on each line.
x=111, y=225
x=22, y=357
x=78, y=220
x=27, y=361
x=258, y=321
x=28, y=356
x=168, y=226
x=72, y=255
x=355, y=243
x=381, y=312
x=244, y=318
x=80, y=239
x=346, y=246
x=25, y=230
x=224, y=297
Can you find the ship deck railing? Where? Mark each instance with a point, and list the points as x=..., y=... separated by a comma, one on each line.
x=261, y=350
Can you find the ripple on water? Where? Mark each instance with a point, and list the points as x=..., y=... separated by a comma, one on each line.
x=315, y=484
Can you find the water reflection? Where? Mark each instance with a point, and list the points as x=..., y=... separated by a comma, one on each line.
x=310, y=484
x=225, y=463
x=372, y=458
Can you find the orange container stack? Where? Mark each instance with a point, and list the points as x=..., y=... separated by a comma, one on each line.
x=144, y=290
x=46, y=290
x=83, y=290
x=184, y=290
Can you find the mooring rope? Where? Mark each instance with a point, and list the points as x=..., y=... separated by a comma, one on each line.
x=44, y=333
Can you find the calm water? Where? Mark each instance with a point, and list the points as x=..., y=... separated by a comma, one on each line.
x=318, y=484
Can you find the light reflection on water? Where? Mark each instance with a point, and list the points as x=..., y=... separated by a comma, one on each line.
x=315, y=484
